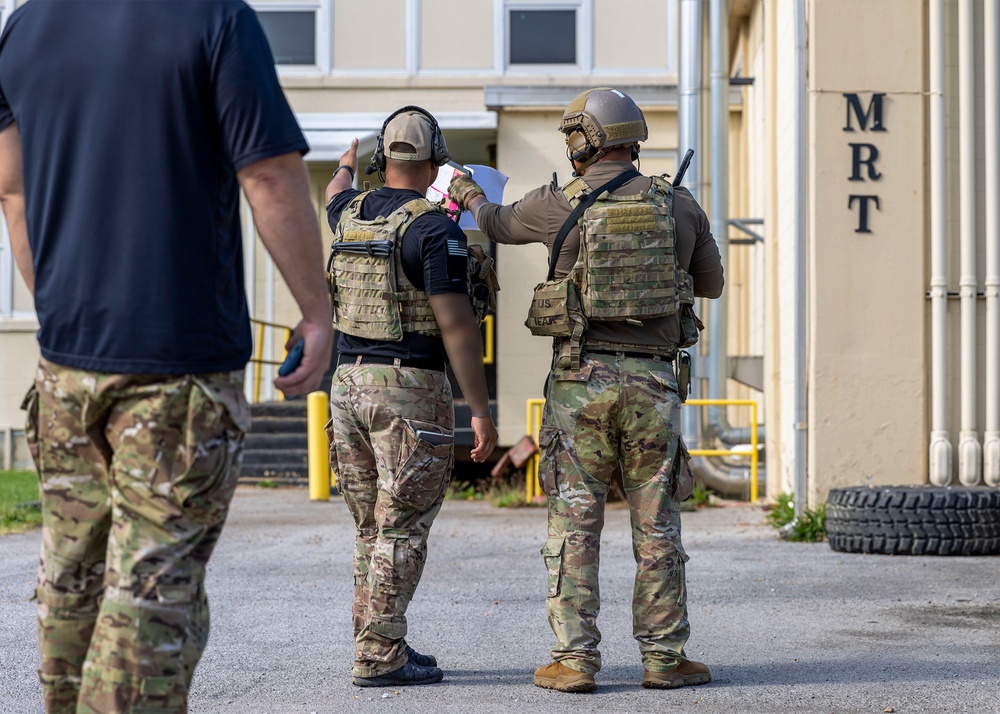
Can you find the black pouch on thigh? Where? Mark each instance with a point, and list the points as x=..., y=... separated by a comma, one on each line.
x=426, y=455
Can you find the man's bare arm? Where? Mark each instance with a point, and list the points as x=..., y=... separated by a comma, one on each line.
x=12, y=200
x=464, y=345
x=343, y=180
x=278, y=191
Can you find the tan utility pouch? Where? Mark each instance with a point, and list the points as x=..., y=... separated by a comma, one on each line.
x=691, y=326
x=555, y=309
x=483, y=282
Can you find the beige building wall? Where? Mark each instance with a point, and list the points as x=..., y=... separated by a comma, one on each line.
x=867, y=372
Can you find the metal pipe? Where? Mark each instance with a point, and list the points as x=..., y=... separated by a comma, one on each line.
x=991, y=55
x=799, y=251
x=940, y=451
x=970, y=452
x=689, y=90
x=689, y=128
x=725, y=479
x=718, y=372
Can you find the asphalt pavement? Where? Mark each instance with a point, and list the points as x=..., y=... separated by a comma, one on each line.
x=785, y=627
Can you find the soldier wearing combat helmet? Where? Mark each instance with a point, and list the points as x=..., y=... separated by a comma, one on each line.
x=613, y=399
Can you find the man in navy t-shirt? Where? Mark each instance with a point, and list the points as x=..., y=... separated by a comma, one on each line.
x=126, y=132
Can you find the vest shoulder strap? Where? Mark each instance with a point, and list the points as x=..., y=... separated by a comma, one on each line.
x=404, y=216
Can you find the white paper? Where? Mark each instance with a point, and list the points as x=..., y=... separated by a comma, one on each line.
x=489, y=179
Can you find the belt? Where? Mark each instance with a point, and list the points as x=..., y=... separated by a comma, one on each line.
x=426, y=363
x=632, y=355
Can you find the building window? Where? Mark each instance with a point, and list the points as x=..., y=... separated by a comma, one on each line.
x=298, y=33
x=292, y=35
x=542, y=37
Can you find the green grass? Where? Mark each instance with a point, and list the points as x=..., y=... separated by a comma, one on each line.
x=16, y=488
x=809, y=527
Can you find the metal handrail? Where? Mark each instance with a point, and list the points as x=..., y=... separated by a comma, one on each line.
x=754, y=456
x=531, y=486
x=489, y=346
x=258, y=347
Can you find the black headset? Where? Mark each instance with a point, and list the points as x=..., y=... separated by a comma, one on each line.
x=439, y=150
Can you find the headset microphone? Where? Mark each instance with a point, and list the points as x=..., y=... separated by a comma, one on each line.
x=369, y=170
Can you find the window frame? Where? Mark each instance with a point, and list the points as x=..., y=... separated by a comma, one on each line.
x=323, y=21
x=584, y=36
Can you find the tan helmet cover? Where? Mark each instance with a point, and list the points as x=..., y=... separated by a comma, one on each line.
x=600, y=119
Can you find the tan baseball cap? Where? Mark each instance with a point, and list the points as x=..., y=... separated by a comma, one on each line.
x=411, y=128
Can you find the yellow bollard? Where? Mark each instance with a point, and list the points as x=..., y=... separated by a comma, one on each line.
x=319, y=448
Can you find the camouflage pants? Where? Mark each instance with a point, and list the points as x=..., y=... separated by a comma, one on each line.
x=614, y=411
x=136, y=474
x=394, y=483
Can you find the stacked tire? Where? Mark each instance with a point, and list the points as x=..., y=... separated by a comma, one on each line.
x=914, y=520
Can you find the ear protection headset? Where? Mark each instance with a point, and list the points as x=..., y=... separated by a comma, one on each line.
x=579, y=149
x=439, y=150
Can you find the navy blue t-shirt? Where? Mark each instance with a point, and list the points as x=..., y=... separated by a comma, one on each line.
x=435, y=259
x=134, y=118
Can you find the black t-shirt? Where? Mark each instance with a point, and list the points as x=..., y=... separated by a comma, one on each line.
x=134, y=119
x=434, y=257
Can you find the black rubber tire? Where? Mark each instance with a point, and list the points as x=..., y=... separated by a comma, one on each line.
x=914, y=520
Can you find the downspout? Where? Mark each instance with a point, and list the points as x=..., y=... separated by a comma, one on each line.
x=940, y=455
x=991, y=53
x=718, y=374
x=689, y=129
x=801, y=264
x=970, y=453
x=724, y=478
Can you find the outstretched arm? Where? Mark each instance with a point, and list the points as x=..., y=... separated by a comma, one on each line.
x=278, y=191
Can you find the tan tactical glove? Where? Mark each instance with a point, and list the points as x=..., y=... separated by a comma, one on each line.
x=463, y=189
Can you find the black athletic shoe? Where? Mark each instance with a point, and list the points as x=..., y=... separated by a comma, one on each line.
x=409, y=673
x=421, y=659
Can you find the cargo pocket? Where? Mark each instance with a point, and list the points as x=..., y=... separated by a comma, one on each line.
x=666, y=379
x=682, y=478
x=552, y=552
x=426, y=454
x=215, y=423
x=331, y=447
x=549, y=446
x=30, y=405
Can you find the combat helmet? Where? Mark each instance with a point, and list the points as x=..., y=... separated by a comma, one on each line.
x=601, y=119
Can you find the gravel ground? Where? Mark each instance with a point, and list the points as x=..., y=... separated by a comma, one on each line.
x=785, y=627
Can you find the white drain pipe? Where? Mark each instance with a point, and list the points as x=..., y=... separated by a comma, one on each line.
x=991, y=53
x=689, y=133
x=940, y=452
x=801, y=297
x=970, y=452
x=718, y=372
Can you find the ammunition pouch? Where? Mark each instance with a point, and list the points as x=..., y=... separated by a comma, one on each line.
x=691, y=326
x=483, y=282
x=682, y=369
x=555, y=309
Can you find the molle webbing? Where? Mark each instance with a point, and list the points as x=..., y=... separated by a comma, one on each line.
x=627, y=263
x=371, y=296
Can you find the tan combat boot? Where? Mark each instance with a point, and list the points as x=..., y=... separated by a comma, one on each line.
x=686, y=674
x=559, y=676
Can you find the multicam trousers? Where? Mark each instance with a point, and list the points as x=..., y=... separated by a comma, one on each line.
x=136, y=473
x=614, y=410
x=394, y=481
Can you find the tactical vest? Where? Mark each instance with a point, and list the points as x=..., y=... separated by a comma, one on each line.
x=626, y=269
x=369, y=291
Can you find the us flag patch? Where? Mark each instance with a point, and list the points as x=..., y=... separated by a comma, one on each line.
x=457, y=248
